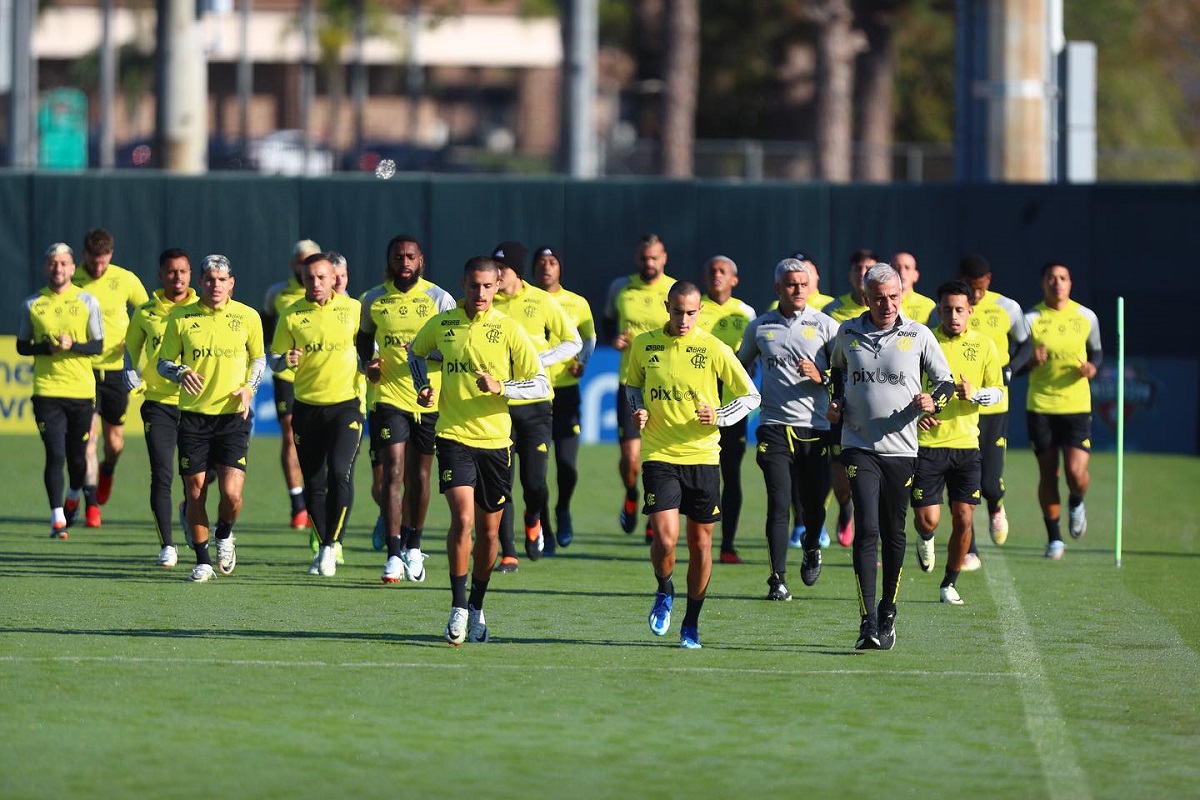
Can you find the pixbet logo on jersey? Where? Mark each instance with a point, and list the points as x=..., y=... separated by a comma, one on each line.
x=876, y=376
x=672, y=394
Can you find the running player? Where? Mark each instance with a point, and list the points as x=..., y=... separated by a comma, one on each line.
x=915, y=305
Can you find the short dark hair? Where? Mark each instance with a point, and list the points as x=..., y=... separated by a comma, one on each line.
x=172, y=253
x=865, y=254
x=648, y=239
x=480, y=264
x=682, y=289
x=1049, y=264
x=98, y=242
x=973, y=267
x=953, y=287
x=399, y=240
x=315, y=257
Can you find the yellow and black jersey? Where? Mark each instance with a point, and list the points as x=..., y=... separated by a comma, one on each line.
x=280, y=297
x=145, y=337
x=222, y=344
x=1071, y=336
x=540, y=315
x=971, y=356
x=118, y=291
x=917, y=307
x=844, y=307
x=46, y=317
x=580, y=315
x=636, y=307
x=328, y=369
x=394, y=318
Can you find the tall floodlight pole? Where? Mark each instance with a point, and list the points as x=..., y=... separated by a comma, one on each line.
x=108, y=83
x=360, y=73
x=20, y=96
x=308, y=77
x=580, y=128
x=245, y=76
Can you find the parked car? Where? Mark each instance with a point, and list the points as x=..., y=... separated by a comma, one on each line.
x=282, y=153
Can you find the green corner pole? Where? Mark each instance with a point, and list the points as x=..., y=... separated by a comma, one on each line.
x=1120, y=423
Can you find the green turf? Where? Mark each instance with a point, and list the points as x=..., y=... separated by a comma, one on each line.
x=1062, y=680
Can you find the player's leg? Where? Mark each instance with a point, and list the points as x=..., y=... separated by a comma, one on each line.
x=505, y=533
x=566, y=430
x=733, y=449
x=230, y=447
x=493, y=491
x=417, y=471
x=160, y=423
x=289, y=462
x=345, y=432
x=1076, y=450
x=993, y=447
x=112, y=406
x=390, y=434
x=865, y=481
x=811, y=482
x=929, y=479
x=701, y=489
x=663, y=495
x=534, y=450
x=897, y=476
x=629, y=436
x=963, y=481
x=194, y=437
x=774, y=458
x=51, y=418
x=1042, y=440
x=310, y=432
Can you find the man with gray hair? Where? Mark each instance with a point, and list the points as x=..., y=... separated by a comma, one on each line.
x=218, y=345
x=877, y=365
x=792, y=344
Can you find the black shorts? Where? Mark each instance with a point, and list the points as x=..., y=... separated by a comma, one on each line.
x=69, y=416
x=627, y=429
x=959, y=471
x=694, y=489
x=285, y=396
x=212, y=440
x=391, y=425
x=160, y=422
x=486, y=470
x=1052, y=431
x=112, y=398
x=566, y=404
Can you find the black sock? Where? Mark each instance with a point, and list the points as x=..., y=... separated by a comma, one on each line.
x=631, y=493
x=224, y=529
x=107, y=468
x=951, y=578
x=1052, y=530
x=394, y=546
x=297, y=502
x=201, y=549
x=925, y=537
x=458, y=588
x=993, y=506
x=666, y=585
x=1074, y=501
x=478, y=590
x=89, y=495
x=412, y=537
x=691, y=617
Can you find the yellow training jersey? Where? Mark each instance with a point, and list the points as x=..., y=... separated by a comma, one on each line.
x=117, y=291
x=727, y=322
x=917, y=307
x=818, y=302
x=637, y=307
x=492, y=342
x=999, y=318
x=48, y=316
x=844, y=307
x=220, y=344
x=676, y=374
x=580, y=315
x=539, y=315
x=145, y=337
x=1071, y=336
x=394, y=318
x=280, y=297
x=328, y=369
x=971, y=356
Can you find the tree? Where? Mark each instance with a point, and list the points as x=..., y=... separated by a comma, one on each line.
x=837, y=46
x=876, y=89
x=681, y=76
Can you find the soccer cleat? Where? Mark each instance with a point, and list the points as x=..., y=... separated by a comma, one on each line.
x=338, y=556
x=566, y=531
x=868, y=634
x=456, y=626
x=628, y=516
x=201, y=573
x=950, y=595
x=971, y=563
x=508, y=564
x=314, y=541
x=778, y=590
x=797, y=539
x=393, y=570
x=810, y=566
x=660, y=614
x=887, y=630
x=226, y=555
x=823, y=542
x=926, y=554
x=1077, y=521
x=91, y=517
x=58, y=530
x=168, y=557
x=70, y=509
x=300, y=520
x=730, y=557
x=476, y=626
x=104, y=486
x=1055, y=550
x=689, y=638
x=377, y=535
x=414, y=564
x=327, y=561
x=998, y=527
x=845, y=533
x=534, y=542
x=315, y=569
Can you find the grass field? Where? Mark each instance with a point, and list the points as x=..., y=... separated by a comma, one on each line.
x=1062, y=679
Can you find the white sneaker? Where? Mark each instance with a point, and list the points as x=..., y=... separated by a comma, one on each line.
x=315, y=569
x=456, y=626
x=1077, y=525
x=226, y=556
x=414, y=563
x=950, y=595
x=998, y=527
x=393, y=570
x=926, y=553
x=971, y=562
x=168, y=557
x=202, y=572
x=327, y=561
x=476, y=626
x=1055, y=550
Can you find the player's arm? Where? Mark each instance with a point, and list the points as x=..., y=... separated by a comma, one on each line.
x=418, y=350
x=991, y=390
x=170, y=350
x=282, y=344
x=560, y=329
x=258, y=359
x=25, y=344
x=135, y=340
x=747, y=354
x=137, y=292
x=634, y=381
x=612, y=316
x=587, y=332
x=1095, y=357
x=529, y=380
x=936, y=369
x=737, y=381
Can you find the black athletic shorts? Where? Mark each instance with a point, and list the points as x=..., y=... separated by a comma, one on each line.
x=112, y=398
x=627, y=429
x=958, y=470
x=694, y=489
x=486, y=470
x=391, y=425
x=285, y=396
x=66, y=414
x=212, y=440
x=566, y=405
x=1051, y=431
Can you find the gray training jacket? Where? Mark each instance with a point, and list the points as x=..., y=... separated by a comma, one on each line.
x=778, y=343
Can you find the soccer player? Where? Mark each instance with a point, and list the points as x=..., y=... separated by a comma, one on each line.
x=948, y=454
x=557, y=342
x=119, y=292
x=914, y=305
x=672, y=384
x=160, y=406
x=876, y=368
x=1001, y=320
x=1058, y=409
x=316, y=338
x=564, y=381
x=487, y=360
x=402, y=431
x=280, y=297
x=62, y=327
x=726, y=317
x=636, y=303
x=213, y=349
x=792, y=345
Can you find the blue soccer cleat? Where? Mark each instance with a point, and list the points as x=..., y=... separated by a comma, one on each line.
x=689, y=639
x=660, y=614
